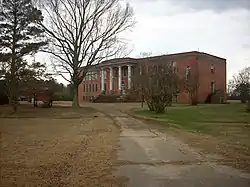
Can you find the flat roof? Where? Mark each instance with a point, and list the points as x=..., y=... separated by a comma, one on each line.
x=182, y=53
x=129, y=59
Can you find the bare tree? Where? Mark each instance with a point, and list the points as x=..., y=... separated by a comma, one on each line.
x=191, y=83
x=145, y=54
x=83, y=33
x=241, y=84
x=158, y=82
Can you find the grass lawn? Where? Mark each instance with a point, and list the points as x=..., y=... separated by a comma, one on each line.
x=228, y=126
x=57, y=146
x=203, y=118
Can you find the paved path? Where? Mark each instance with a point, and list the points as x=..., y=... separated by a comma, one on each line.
x=148, y=158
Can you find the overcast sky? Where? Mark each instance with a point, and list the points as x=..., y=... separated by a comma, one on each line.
x=218, y=27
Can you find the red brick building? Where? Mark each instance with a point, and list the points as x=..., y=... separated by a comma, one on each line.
x=113, y=76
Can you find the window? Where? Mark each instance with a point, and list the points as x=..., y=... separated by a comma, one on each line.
x=87, y=88
x=124, y=72
x=93, y=76
x=212, y=68
x=175, y=69
x=96, y=87
x=93, y=88
x=88, y=76
x=83, y=98
x=84, y=88
x=212, y=87
x=105, y=74
x=115, y=72
x=188, y=71
x=154, y=69
x=90, y=88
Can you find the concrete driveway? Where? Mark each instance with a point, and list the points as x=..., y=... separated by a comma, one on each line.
x=149, y=158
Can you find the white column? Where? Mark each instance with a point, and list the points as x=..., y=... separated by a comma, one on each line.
x=111, y=78
x=119, y=78
x=129, y=76
x=102, y=81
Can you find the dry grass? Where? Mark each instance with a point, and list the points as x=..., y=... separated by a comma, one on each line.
x=57, y=147
x=234, y=154
x=28, y=111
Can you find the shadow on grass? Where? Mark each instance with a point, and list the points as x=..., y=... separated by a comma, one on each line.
x=28, y=111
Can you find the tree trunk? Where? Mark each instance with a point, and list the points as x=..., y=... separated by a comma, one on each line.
x=150, y=105
x=160, y=108
x=13, y=87
x=13, y=95
x=13, y=104
x=248, y=105
x=75, y=102
x=142, y=100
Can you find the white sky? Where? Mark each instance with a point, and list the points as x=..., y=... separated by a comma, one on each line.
x=219, y=27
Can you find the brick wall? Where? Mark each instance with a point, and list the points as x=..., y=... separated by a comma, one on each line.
x=84, y=93
x=202, y=61
x=219, y=75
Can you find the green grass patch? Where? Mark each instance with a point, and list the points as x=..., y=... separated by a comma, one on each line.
x=202, y=118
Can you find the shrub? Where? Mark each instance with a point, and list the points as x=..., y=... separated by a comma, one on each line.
x=62, y=98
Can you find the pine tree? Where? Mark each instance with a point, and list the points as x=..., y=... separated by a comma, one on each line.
x=20, y=35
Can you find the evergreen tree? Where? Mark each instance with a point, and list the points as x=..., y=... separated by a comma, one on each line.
x=20, y=35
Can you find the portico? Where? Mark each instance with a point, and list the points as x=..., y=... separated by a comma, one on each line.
x=117, y=77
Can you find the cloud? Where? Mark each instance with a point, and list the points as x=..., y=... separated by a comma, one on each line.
x=225, y=34
x=216, y=5
x=246, y=46
x=199, y=5
x=218, y=27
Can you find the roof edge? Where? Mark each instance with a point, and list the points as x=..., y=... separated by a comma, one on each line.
x=157, y=56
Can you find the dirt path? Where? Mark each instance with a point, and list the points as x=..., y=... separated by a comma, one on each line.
x=148, y=157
